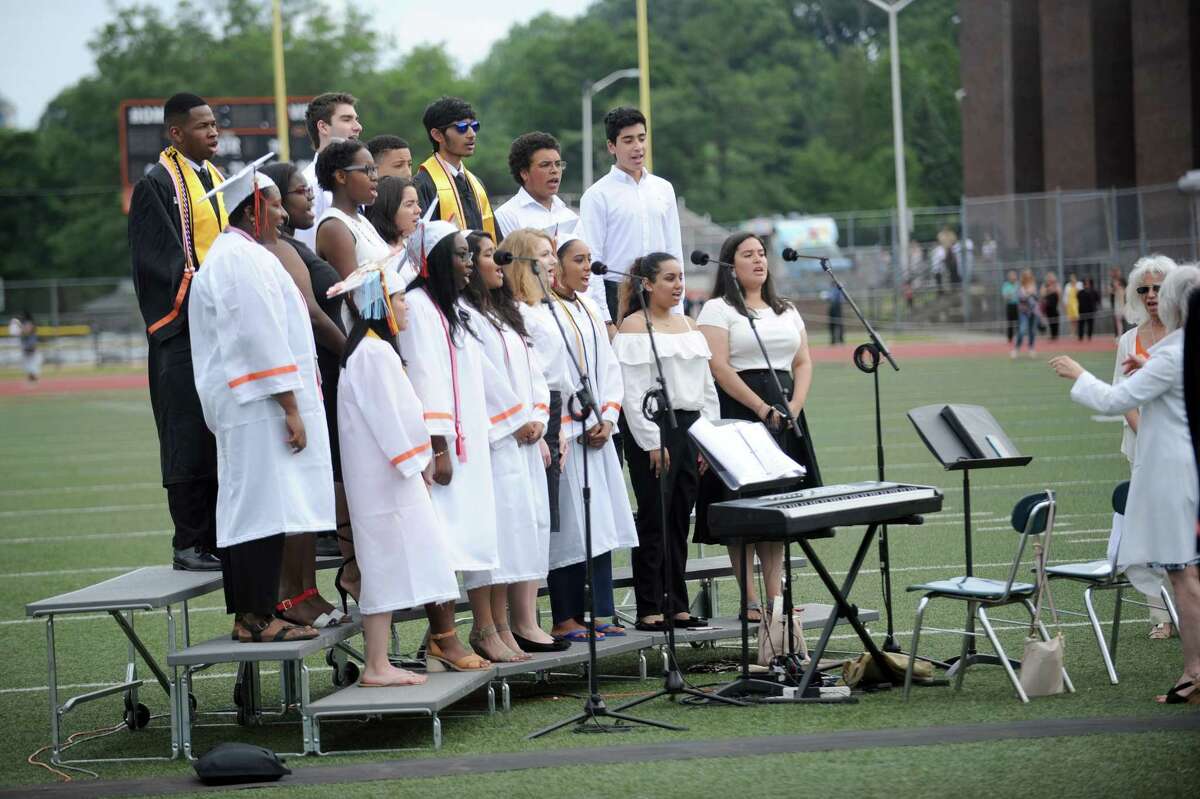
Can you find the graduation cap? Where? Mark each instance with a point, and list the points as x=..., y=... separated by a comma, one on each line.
x=560, y=231
x=246, y=182
x=371, y=286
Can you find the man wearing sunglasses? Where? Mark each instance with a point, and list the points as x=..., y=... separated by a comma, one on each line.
x=329, y=117
x=535, y=162
x=452, y=128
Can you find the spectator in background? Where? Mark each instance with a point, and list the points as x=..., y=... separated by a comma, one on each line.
x=1027, y=312
x=1116, y=297
x=1051, y=299
x=1071, y=302
x=1008, y=292
x=1089, y=306
x=837, y=330
x=31, y=359
x=937, y=265
x=392, y=155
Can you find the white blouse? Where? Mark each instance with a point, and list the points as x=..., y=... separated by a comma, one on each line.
x=782, y=335
x=689, y=381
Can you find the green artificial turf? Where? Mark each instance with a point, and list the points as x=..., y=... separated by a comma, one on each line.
x=81, y=502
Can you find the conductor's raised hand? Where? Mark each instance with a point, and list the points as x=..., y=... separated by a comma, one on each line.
x=1065, y=366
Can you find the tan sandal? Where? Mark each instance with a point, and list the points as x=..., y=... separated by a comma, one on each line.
x=436, y=660
x=475, y=639
x=1162, y=631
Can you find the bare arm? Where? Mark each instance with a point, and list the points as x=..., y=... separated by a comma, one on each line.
x=336, y=246
x=1133, y=417
x=327, y=333
x=802, y=372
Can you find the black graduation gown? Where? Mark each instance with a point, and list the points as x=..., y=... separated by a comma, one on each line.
x=187, y=449
x=427, y=193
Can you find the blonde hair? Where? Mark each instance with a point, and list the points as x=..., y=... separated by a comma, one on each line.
x=1135, y=304
x=523, y=243
x=1027, y=279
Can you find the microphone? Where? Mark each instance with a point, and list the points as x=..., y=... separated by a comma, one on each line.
x=701, y=258
x=601, y=268
x=791, y=255
x=504, y=258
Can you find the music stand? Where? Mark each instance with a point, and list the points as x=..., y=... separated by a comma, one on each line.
x=747, y=686
x=962, y=438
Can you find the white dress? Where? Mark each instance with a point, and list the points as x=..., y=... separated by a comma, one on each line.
x=449, y=379
x=251, y=339
x=518, y=476
x=398, y=538
x=612, y=517
x=1160, y=514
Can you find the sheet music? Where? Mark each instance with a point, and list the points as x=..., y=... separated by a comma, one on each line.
x=744, y=451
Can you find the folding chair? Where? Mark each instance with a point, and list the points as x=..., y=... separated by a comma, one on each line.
x=1102, y=575
x=1032, y=516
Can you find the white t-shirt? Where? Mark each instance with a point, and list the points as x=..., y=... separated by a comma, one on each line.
x=782, y=335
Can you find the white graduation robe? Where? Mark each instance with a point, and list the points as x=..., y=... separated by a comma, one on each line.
x=612, y=517
x=518, y=476
x=398, y=538
x=251, y=338
x=1160, y=514
x=451, y=389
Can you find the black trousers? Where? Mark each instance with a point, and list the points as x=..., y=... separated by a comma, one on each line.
x=1012, y=316
x=1087, y=323
x=193, y=506
x=251, y=575
x=683, y=480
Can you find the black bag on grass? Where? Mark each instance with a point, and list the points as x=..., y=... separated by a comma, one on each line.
x=229, y=763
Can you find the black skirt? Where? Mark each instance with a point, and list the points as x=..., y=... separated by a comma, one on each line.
x=798, y=448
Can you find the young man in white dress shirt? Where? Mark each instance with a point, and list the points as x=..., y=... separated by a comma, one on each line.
x=535, y=162
x=329, y=116
x=629, y=212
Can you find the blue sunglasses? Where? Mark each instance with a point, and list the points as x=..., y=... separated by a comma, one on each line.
x=461, y=127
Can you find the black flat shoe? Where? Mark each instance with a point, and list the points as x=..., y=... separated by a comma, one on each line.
x=691, y=621
x=651, y=626
x=1174, y=697
x=533, y=646
x=195, y=559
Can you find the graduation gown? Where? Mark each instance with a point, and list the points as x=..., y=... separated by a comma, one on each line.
x=187, y=450
x=518, y=476
x=612, y=516
x=251, y=339
x=399, y=539
x=448, y=377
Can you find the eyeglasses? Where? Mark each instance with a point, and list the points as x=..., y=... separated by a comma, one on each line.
x=370, y=171
x=461, y=127
x=559, y=165
x=305, y=192
x=465, y=255
x=1146, y=289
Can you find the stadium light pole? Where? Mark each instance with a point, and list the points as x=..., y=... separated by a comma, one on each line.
x=282, y=123
x=893, y=8
x=589, y=91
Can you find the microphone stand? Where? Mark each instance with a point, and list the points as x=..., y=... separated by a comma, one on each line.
x=663, y=414
x=866, y=358
x=594, y=707
x=793, y=667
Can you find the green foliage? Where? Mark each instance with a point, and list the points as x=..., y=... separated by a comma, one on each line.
x=759, y=106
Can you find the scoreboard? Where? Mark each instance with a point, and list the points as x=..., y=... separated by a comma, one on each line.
x=247, y=131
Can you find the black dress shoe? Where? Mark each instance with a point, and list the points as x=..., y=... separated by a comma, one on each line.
x=327, y=545
x=691, y=621
x=195, y=559
x=651, y=626
x=533, y=646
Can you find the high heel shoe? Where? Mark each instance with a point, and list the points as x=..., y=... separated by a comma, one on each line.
x=475, y=639
x=436, y=660
x=337, y=578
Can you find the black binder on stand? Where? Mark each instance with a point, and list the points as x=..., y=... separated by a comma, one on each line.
x=962, y=438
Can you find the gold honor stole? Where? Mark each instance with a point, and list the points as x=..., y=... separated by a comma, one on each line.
x=450, y=207
x=198, y=223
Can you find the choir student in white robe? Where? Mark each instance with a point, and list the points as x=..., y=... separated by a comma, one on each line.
x=611, y=517
x=519, y=456
x=453, y=379
x=525, y=292
x=386, y=455
x=255, y=368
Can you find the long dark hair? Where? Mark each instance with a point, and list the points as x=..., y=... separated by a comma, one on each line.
x=498, y=304
x=382, y=212
x=727, y=287
x=359, y=330
x=647, y=267
x=440, y=286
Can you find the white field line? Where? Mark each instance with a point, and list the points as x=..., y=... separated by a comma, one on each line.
x=87, y=489
x=10, y=514
x=53, y=539
x=1046, y=459
x=1001, y=629
x=1084, y=540
x=58, y=572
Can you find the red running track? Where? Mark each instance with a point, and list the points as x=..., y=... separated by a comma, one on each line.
x=823, y=353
